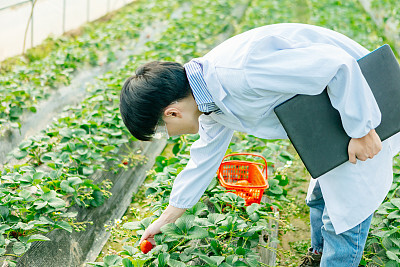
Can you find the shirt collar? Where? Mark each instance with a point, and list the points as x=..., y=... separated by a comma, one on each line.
x=203, y=98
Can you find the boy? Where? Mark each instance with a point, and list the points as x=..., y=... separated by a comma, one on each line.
x=236, y=87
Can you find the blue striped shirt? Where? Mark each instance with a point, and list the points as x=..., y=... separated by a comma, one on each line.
x=203, y=98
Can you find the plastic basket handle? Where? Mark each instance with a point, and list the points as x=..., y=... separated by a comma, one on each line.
x=264, y=170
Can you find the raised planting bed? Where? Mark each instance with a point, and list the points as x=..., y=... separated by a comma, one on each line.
x=46, y=110
x=217, y=231
x=53, y=167
x=75, y=248
x=29, y=79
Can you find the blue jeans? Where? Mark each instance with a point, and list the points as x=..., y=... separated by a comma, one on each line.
x=343, y=250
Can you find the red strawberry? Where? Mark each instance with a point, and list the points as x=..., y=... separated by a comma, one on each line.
x=125, y=162
x=146, y=246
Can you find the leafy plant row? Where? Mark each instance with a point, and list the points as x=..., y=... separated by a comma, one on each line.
x=349, y=18
x=23, y=85
x=391, y=8
x=55, y=165
x=219, y=230
x=383, y=244
x=168, y=168
x=80, y=142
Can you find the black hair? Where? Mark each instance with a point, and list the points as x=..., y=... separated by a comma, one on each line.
x=146, y=94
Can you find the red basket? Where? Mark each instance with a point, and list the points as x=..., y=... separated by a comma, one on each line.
x=245, y=177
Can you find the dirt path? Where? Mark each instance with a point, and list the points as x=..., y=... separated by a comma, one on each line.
x=294, y=235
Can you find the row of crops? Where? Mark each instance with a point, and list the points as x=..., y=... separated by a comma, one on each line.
x=54, y=167
x=352, y=22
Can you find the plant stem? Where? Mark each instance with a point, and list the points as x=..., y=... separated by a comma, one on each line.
x=180, y=243
x=13, y=255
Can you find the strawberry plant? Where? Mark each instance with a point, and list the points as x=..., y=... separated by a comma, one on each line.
x=383, y=243
x=24, y=85
x=390, y=6
x=53, y=168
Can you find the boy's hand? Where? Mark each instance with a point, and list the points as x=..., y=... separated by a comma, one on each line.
x=365, y=147
x=170, y=215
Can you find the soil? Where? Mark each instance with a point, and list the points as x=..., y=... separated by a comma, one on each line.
x=294, y=231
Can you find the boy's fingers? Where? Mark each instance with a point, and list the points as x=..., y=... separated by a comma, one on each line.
x=144, y=237
x=352, y=157
x=151, y=240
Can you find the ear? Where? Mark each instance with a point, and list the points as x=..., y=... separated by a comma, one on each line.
x=172, y=112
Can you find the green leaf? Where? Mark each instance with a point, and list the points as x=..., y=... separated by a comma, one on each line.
x=38, y=237
x=218, y=259
x=251, y=261
x=112, y=260
x=15, y=112
x=197, y=209
x=25, y=194
x=98, y=198
x=185, y=222
x=2, y=251
x=277, y=190
x=240, y=263
x=214, y=182
x=252, y=208
x=231, y=259
x=4, y=212
x=396, y=202
x=240, y=251
x=47, y=157
x=395, y=238
x=176, y=148
x=272, y=182
x=65, y=186
x=108, y=148
x=215, y=246
x=38, y=176
x=392, y=256
x=75, y=180
x=19, y=248
x=162, y=259
x=40, y=204
x=176, y=263
x=127, y=263
x=25, y=144
x=208, y=260
x=3, y=228
x=66, y=132
x=20, y=154
x=172, y=230
x=197, y=232
x=131, y=225
x=129, y=250
x=23, y=226
x=87, y=170
x=139, y=262
x=254, y=217
x=391, y=263
x=215, y=218
x=70, y=214
x=394, y=215
x=49, y=194
x=63, y=225
x=57, y=203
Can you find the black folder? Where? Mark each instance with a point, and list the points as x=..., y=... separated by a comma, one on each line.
x=314, y=126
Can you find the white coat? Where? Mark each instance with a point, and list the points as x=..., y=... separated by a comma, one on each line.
x=251, y=73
